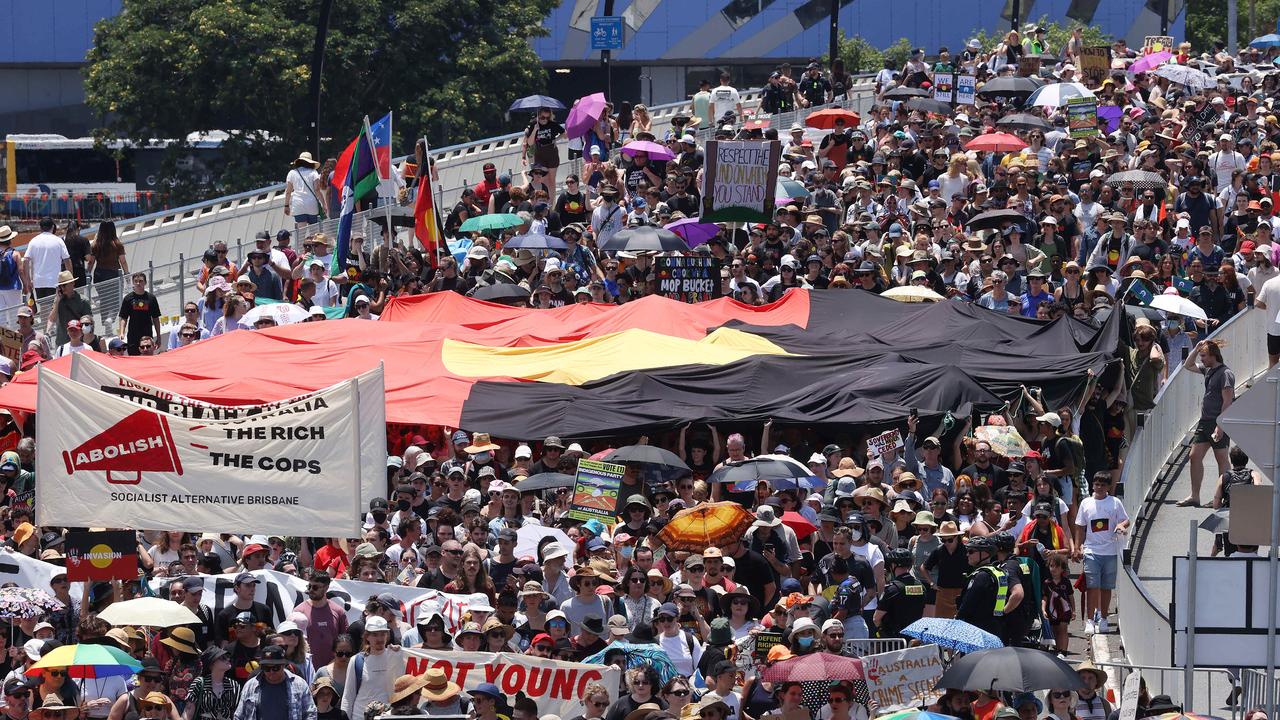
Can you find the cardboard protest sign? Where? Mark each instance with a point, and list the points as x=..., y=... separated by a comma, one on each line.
x=556, y=686
x=104, y=555
x=884, y=442
x=740, y=180
x=1095, y=63
x=1131, y=693
x=966, y=89
x=944, y=87
x=595, y=491
x=373, y=411
x=1082, y=117
x=11, y=345
x=1157, y=43
x=1029, y=66
x=765, y=641
x=689, y=278
x=903, y=679
x=105, y=461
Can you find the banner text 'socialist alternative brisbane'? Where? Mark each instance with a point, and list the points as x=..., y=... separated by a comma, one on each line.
x=103, y=461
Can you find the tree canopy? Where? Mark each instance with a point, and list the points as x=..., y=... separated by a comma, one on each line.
x=448, y=68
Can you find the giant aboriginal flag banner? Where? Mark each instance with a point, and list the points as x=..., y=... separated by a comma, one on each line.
x=104, y=461
x=557, y=687
x=373, y=411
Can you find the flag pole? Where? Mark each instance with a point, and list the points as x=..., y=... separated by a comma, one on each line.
x=435, y=199
x=385, y=265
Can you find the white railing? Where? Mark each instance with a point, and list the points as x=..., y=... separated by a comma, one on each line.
x=1145, y=626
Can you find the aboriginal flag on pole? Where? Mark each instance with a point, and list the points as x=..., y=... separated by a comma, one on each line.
x=426, y=226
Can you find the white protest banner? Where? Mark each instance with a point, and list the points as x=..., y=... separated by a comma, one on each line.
x=373, y=412
x=29, y=572
x=103, y=461
x=281, y=593
x=740, y=181
x=903, y=679
x=554, y=685
x=884, y=442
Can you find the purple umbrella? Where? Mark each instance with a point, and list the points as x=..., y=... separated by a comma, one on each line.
x=1150, y=62
x=584, y=115
x=656, y=151
x=694, y=231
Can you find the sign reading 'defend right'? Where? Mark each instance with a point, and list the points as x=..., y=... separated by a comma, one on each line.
x=741, y=180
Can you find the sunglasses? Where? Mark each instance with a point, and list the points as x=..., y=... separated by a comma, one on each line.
x=679, y=693
x=344, y=653
x=273, y=668
x=1059, y=694
x=56, y=673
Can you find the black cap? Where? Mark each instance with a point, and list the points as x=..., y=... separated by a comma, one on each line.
x=262, y=235
x=273, y=655
x=593, y=624
x=378, y=504
x=20, y=683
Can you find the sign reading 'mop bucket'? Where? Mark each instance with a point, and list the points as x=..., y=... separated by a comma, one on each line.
x=104, y=462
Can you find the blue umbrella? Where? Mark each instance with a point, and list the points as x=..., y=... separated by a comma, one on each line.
x=534, y=102
x=536, y=241
x=791, y=189
x=639, y=656
x=1266, y=41
x=956, y=635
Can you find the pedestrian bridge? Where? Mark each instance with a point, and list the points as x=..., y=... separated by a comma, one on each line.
x=1156, y=475
x=159, y=239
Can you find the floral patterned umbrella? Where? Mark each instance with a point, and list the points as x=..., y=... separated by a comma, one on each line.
x=17, y=603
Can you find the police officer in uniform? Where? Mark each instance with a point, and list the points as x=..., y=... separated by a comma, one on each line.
x=1023, y=607
x=985, y=596
x=902, y=601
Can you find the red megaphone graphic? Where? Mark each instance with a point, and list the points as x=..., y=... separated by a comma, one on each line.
x=139, y=443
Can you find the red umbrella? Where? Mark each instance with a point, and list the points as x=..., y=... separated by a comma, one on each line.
x=815, y=667
x=826, y=119
x=797, y=522
x=995, y=142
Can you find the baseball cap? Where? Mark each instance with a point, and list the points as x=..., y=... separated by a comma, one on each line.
x=246, y=577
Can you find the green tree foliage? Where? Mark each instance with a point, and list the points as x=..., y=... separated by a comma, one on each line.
x=861, y=56
x=1207, y=22
x=448, y=68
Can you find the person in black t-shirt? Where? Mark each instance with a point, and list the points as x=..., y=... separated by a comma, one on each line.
x=753, y=571
x=814, y=89
x=258, y=615
x=572, y=205
x=139, y=314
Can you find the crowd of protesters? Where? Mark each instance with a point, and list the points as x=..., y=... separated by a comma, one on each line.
x=943, y=528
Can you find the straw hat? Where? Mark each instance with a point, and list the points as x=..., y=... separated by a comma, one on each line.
x=949, y=529
x=406, y=686
x=1099, y=673
x=306, y=158
x=847, y=468
x=182, y=639
x=656, y=574
x=865, y=493
x=494, y=623
x=907, y=480
x=480, y=442
x=924, y=517
x=66, y=278
x=589, y=571
x=7, y=234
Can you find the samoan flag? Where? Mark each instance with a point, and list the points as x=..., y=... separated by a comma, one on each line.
x=380, y=134
x=361, y=182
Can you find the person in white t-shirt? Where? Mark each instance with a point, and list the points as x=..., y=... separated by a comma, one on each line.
x=1101, y=524
x=723, y=99
x=1225, y=161
x=301, y=191
x=46, y=256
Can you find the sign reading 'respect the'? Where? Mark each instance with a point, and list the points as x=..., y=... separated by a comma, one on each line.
x=106, y=461
x=740, y=181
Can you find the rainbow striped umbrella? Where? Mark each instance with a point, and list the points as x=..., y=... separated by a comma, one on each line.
x=88, y=661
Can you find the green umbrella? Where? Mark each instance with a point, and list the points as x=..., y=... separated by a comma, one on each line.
x=498, y=221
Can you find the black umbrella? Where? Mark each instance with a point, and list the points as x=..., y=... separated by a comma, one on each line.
x=536, y=241
x=660, y=465
x=545, y=481
x=501, y=293
x=645, y=237
x=400, y=217
x=1023, y=121
x=902, y=92
x=1011, y=669
x=995, y=219
x=779, y=470
x=929, y=105
x=1009, y=86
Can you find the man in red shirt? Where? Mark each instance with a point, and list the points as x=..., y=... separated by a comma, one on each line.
x=488, y=185
x=326, y=620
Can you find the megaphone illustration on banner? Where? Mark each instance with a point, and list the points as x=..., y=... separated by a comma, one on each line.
x=141, y=442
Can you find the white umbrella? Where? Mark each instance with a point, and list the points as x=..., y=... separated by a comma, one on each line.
x=148, y=612
x=1178, y=305
x=1192, y=78
x=1057, y=94
x=912, y=293
x=282, y=313
x=528, y=537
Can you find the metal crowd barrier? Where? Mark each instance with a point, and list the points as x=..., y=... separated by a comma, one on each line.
x=1166, y=680
x=1253, y=684
x=861, y=647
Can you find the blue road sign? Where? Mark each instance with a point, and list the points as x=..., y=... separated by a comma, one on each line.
x=606, y=32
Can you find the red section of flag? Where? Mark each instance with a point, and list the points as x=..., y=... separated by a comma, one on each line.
x=425, y=227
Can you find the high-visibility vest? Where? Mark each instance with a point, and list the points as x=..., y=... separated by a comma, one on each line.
x=1002, y=588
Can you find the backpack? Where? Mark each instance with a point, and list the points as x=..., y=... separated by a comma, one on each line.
x=8, y=269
